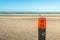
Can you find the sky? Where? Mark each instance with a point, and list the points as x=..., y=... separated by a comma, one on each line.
x=29, y=5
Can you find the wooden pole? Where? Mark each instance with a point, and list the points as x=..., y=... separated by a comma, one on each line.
x=42, y=28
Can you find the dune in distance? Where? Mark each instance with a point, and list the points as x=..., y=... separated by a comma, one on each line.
x=25, y=26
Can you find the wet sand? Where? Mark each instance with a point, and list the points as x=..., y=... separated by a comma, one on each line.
x=24, y=27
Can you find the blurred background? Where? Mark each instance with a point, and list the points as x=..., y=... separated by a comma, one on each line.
x=29, y=5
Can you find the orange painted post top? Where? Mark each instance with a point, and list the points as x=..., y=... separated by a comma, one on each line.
x=42, y=22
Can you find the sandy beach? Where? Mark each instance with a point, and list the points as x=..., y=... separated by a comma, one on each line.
x=25, y=26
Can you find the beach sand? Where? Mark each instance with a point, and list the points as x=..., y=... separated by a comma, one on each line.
x=20, y=27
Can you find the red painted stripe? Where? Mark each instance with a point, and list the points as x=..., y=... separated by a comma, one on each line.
x=42, y=22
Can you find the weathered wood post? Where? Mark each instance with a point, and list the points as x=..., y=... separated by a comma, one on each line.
x=42, y=28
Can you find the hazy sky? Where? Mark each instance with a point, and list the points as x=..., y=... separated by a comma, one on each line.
x=29, y=5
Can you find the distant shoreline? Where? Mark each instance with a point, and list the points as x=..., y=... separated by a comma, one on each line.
x=29, y=12
x=31, y=16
